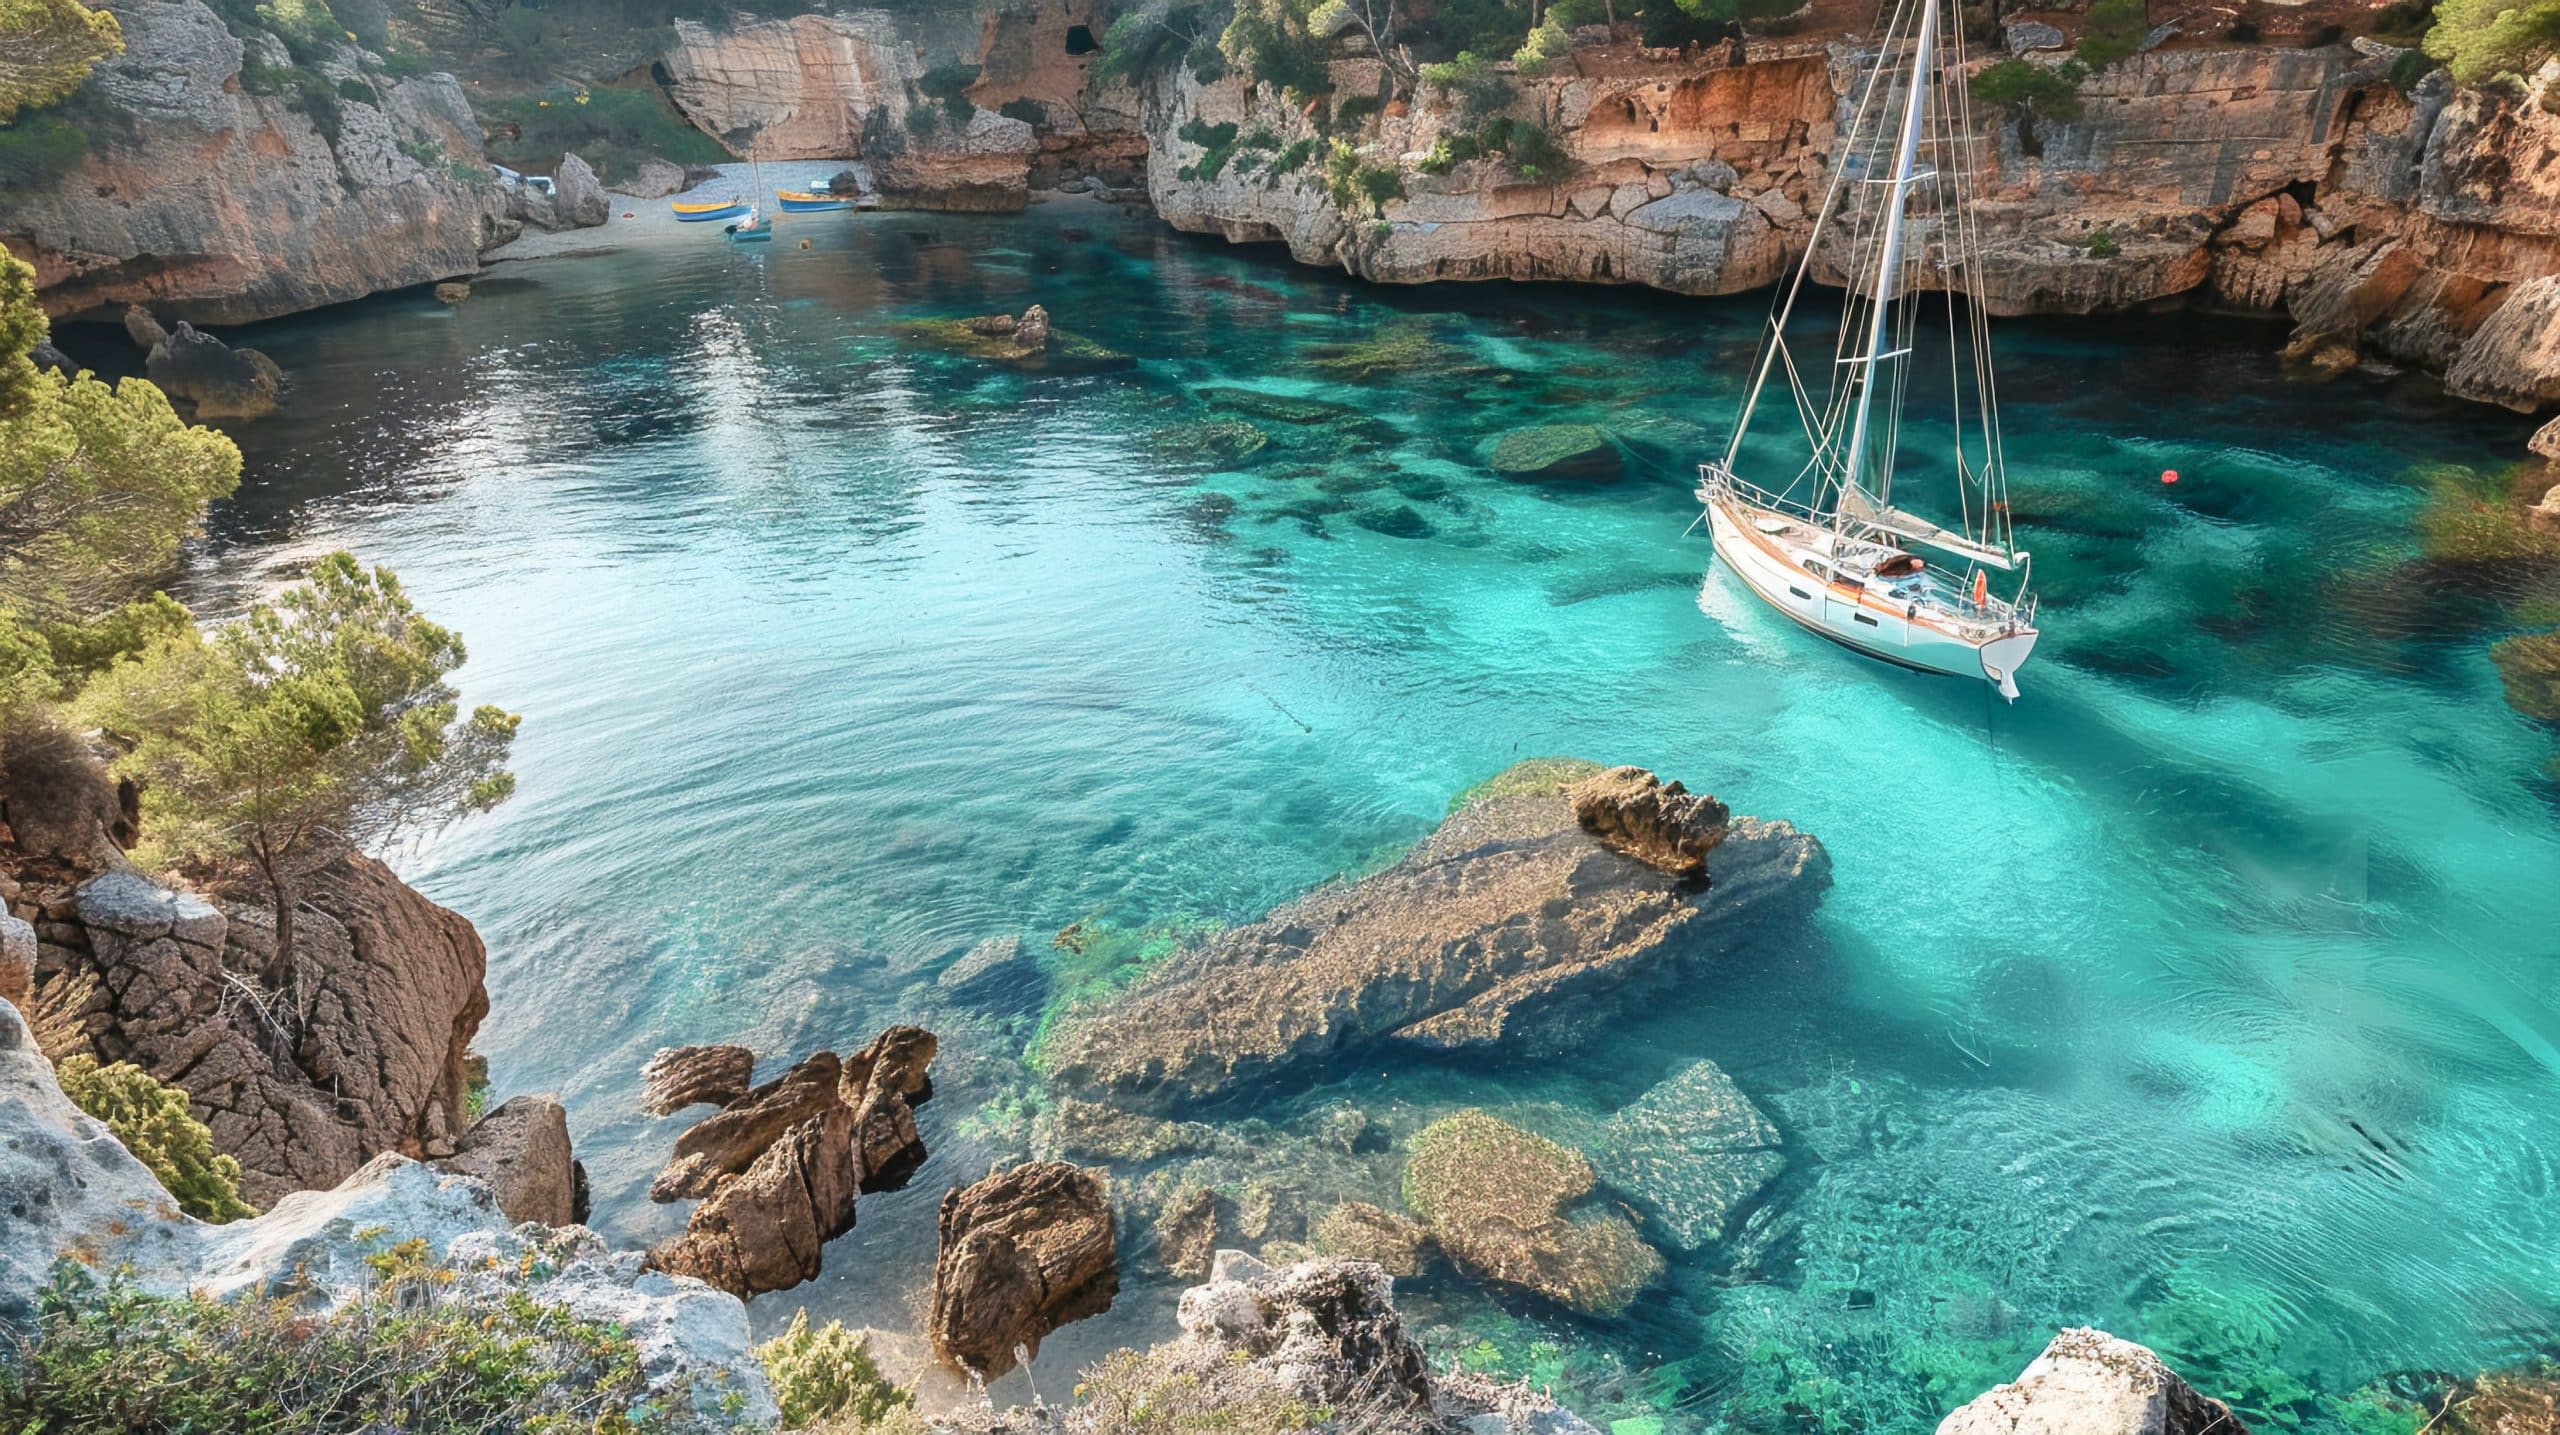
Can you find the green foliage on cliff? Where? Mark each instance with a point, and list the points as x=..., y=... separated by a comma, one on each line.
x=612, y=129
x=98, y=486
x=825, y=1377
x=154, y=1124
x=1530, y=148
x=318, y=721
x=1270, y=40
x=422, y=1349
x=1470, y=86
x=2115, y=30
x=950, y=85
x=46, y=49
x=2017, y=84
x=40, y=149
x=2478, y=40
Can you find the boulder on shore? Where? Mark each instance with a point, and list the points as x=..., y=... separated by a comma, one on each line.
x=1510, y=926
x=1022, y=1252
x=778, y=1169
x=220, y=382
x=654, y=179
x=142, y=328
x=2087, y=1382
x=1501, y=1202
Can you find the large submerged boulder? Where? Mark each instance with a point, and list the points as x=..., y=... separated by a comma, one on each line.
x=1689, y=1153
x=2088, y=1382
x=1510, y=926
x=216, y=380
x=1022, y=1252
x=1503, y=1203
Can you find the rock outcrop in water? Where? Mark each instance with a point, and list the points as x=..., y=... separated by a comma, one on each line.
x=682, y=1076
x=73, y=1192
x=1509, y=926
x=213, y=379
x=1022, y=1252
x=2087, y=1382
x=777, y=1170
x=1503, y=1203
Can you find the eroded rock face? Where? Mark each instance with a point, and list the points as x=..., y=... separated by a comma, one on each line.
x=778, y=1170
x=2087, y=1382
x=372, y=1062
x=1325, y=1331
x=1503, y=1203
x=72, y=1190
x=682, y=1076
x=1661, y=824
x=215, y=204
x=1022, y=1252
x=981, y=165
x=802, y=88
x=1509, y=926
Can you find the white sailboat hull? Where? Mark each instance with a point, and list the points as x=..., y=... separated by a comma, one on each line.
x=1856, y=619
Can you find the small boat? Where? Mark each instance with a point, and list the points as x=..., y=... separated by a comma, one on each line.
x=706, y=211
x=755, y=228
x=1840, y=558
x=806, y=201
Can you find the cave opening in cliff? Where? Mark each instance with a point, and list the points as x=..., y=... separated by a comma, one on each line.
x=1080, y=40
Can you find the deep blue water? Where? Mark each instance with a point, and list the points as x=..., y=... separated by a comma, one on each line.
x=2207, y=994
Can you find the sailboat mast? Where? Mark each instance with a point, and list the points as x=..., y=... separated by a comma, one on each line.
x=1889, y=246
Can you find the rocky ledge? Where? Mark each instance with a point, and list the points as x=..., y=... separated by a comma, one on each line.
x=1512, y=924
x=74, y=1193
x=2087, y=1382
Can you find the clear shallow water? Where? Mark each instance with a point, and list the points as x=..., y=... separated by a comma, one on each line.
x=2208, y=994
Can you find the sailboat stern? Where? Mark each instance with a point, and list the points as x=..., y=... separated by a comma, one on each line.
x=2003, y=656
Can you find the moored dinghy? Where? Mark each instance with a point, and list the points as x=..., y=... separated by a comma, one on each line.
x=1840, y=558
x=752, y=229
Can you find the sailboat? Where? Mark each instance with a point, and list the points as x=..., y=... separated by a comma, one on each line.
x=1833, y=548
x=753, y=227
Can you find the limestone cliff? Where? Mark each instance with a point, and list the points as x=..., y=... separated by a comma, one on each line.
x=2281, y=181
x=206, y=200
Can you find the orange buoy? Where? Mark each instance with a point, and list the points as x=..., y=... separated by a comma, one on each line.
x=1981, y=586
x=2168, y=475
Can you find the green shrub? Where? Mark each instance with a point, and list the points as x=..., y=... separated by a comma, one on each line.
x=357, y=90
x=154, y=1124
x=1218, y=140
x=1530, y=148
x=309, y=29
x=1030, y=112
x=826, y=1374
x=2116, y=29
x=2481, y=39
x=1470, y=85
x=2015, y=84
x=2101, y=243
x=1378, y=184
x=947, y=82
x=1269, y=40
x=1550, y=42
x=1355, y=111
x=422, y=1349
x=611, y=129
x=38, y=150
x=1295, y=157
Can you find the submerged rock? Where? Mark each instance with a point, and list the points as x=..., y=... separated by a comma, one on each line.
x=1501, y=1201
x=2087, y=1382
x=778, y=1169
x=1027, y=342
x=995, y=973
x=1689, y=1153
x=1662, y=825
x=1558, y=451
x=219, y=381
x=1022, y=1252
x=682, y=1076
x=1507, y=927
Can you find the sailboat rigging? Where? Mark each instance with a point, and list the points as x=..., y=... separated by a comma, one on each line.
x=1896, y=221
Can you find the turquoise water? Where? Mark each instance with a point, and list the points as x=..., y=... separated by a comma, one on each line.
x=2207, y=994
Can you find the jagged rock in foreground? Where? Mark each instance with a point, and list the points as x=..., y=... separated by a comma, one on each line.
x=682, y=1076
x=522, y=1151
x=1022, y=1252
x=2087, y=1382
x=778, y=1170
x=1503, y=1203
x=370, y=1061
x=73, y=1191
x=1508, y=926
